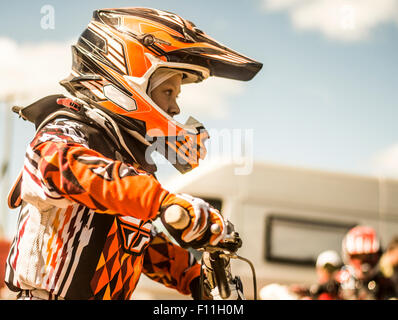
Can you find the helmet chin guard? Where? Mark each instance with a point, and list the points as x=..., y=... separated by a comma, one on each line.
x=185, y=150
x=120, y=50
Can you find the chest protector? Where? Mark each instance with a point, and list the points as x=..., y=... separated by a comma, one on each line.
x=116, y=139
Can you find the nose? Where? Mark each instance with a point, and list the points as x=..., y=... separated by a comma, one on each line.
x=174, y=109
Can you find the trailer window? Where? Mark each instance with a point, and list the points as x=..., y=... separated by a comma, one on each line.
x=299, y=241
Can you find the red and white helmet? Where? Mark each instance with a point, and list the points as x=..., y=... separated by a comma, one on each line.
x=120, y=50
x=361, y=249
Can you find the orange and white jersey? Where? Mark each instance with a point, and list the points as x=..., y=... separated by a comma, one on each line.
x=85, y=225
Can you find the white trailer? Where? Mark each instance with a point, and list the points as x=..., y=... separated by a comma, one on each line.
x=286, y=216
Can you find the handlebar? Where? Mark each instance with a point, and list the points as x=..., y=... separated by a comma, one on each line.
x=217, y=262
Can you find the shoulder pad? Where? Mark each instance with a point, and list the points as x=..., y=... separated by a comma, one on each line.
x=39, y=110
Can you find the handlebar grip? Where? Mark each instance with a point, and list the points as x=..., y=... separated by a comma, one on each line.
x=176, y=217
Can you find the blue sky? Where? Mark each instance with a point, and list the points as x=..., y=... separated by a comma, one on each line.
x=322, y=100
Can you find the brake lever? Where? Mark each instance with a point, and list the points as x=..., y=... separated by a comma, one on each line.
x=231, y=243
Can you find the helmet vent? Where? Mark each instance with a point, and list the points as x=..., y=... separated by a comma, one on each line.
x=92, y=41
x=118, y=97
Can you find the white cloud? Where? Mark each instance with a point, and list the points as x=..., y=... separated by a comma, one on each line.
x=346, y=20
x=386, y=162
x=31, y=71
x=276, y=5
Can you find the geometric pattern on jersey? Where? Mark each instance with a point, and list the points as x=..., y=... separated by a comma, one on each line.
x=117, y=271
x=156, y=260
x=165, y=262
x=51, y=264
x=135, y=233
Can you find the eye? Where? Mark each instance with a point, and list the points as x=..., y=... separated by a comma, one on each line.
x=168, y=92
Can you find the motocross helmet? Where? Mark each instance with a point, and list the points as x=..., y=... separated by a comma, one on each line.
x=329, y=260
x=361, y=250
x=116, y=56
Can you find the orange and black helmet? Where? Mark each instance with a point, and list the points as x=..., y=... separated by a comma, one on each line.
x=119, y=51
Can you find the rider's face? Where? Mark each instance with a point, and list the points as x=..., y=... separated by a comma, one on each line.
x=165, y=95
x=323, y=275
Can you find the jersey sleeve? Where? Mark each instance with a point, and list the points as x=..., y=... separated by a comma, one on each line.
x=169, y=264
x=60, y=168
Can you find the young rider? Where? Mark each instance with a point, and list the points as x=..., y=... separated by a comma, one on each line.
x=360, y=278
x=327, y=266
x=88, y=192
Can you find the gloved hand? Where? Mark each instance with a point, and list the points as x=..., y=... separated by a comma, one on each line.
x=202, y=216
